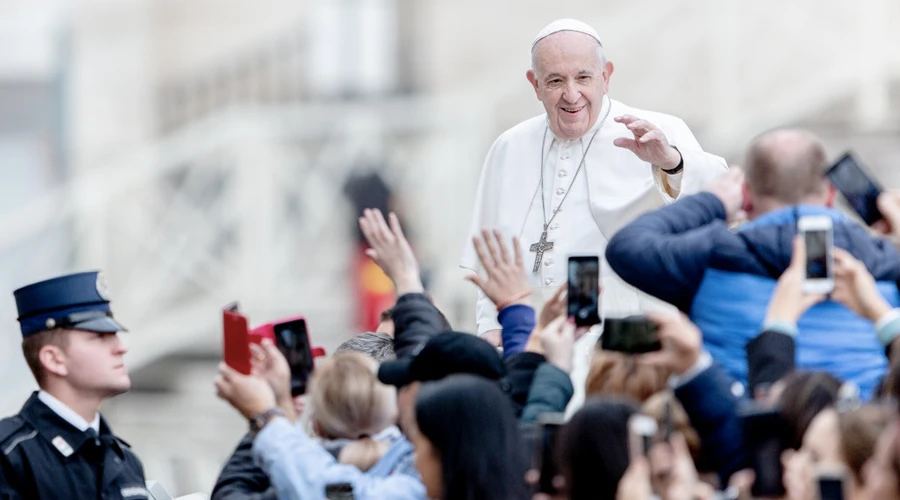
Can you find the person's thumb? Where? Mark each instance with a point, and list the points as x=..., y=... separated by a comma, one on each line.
x=798, y=257
x=889, y=205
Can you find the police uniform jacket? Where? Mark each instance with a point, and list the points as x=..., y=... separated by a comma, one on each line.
x=44, y=457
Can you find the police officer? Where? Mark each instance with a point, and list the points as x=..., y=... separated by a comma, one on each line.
x=58, y=446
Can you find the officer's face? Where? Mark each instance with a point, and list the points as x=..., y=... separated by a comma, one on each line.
x=95, y=363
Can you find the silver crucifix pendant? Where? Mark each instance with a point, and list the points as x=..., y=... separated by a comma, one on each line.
x=540, y=247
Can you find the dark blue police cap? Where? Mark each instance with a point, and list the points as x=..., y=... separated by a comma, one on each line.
x=75, y=301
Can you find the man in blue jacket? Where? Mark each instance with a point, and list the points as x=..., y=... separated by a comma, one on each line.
x=686, y=254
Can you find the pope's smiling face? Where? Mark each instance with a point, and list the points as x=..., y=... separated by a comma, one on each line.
x=570, y=78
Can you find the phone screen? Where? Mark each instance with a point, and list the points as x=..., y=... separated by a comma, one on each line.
x=549, y=425
x=292, y=340
x=762, y=433
x=584, y=290
x=817, y=249
x=831, y=488
x=858, y=187
x=634, y=334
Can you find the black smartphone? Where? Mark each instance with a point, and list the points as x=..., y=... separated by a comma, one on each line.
x=339, y=491
x=763, y=437
x=549, y=425
x=633, y=335
x=831, y=486
x=857, y=186
x=584, y=290
x=292, y=339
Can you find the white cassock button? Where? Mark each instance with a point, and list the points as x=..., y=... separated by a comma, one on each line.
x=562, y=173
x=555, y=225
x=548, y=281
x=560, y=191
x=548, y=262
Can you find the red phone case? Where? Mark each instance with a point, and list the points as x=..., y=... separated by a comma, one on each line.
x=236, y=341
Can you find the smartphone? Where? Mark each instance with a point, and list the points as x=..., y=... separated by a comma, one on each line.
x=857, y=186
x=763, y=437
x=642, y=431
x=236, y=339
x=292, y=339
x=818, y=233
x=339, y=491
x=831, y=484
x=549, y=425
x=634, y=335
x=584, y=290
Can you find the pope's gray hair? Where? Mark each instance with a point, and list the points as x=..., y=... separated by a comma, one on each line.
x=600, y=54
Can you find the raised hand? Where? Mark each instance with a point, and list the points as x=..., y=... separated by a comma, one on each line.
x=558, y=343
x=682, y=343
x=553, y=308
x=889, y=206
x=268, y=362
x=506, y=282
x=788, y=301
x=729, y=189
x=649, y=144
x=855, y=287
x=391, y=251
x=248, y=394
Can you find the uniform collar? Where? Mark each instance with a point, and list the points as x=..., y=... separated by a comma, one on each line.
x=605, y=111
x=61, y=434
x=68, y=414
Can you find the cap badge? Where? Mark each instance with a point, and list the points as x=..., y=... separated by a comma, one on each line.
x=102, y=287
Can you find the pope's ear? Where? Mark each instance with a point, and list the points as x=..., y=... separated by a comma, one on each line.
x=532, y=79
x=607, y=74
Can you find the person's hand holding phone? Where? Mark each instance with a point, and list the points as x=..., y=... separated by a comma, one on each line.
x=889, y=226
x=391, y=251
x=553, y=308
x=789, y=302
x=682, y=343
x=505, y=283
x=248, y=394
x=558, y=342
x=269, y=363
x=855, y=287
x=635, y=484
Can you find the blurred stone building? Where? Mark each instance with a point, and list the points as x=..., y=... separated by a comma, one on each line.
x=197, y=151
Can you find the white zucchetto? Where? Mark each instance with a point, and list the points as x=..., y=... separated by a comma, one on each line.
x=566, y=25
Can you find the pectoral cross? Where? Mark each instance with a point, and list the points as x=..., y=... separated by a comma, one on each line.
x=540, y=247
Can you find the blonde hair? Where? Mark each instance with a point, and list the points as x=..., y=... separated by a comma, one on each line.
x=615, y=373
x=347, y=400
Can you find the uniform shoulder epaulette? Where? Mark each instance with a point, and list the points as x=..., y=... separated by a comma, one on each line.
x=12, y=431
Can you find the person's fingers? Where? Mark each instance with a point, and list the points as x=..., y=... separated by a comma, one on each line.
x=625, y=119
x=372, y=254
x=679, y=445
x=476, y=280
x=658, y=358
x=226, y=372
x=889, y=206
x=557, y=295
x=396, y=228
x=798, y=257
x=640, y=127
x=881, y=227
x=504, y=251
x=384, y=231
x=653, y=135
x=257, y=352
x=629, y=144
x=492, y=247
x=486, y=262
x=517, y=252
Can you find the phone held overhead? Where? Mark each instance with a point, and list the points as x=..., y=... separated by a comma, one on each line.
x=857, y=186
x=818, y=234
x=290, y=335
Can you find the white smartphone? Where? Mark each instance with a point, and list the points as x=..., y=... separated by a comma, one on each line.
x=642, y=431
x=818, y=233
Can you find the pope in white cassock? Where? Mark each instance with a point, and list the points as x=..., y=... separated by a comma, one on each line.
x=565, y=181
